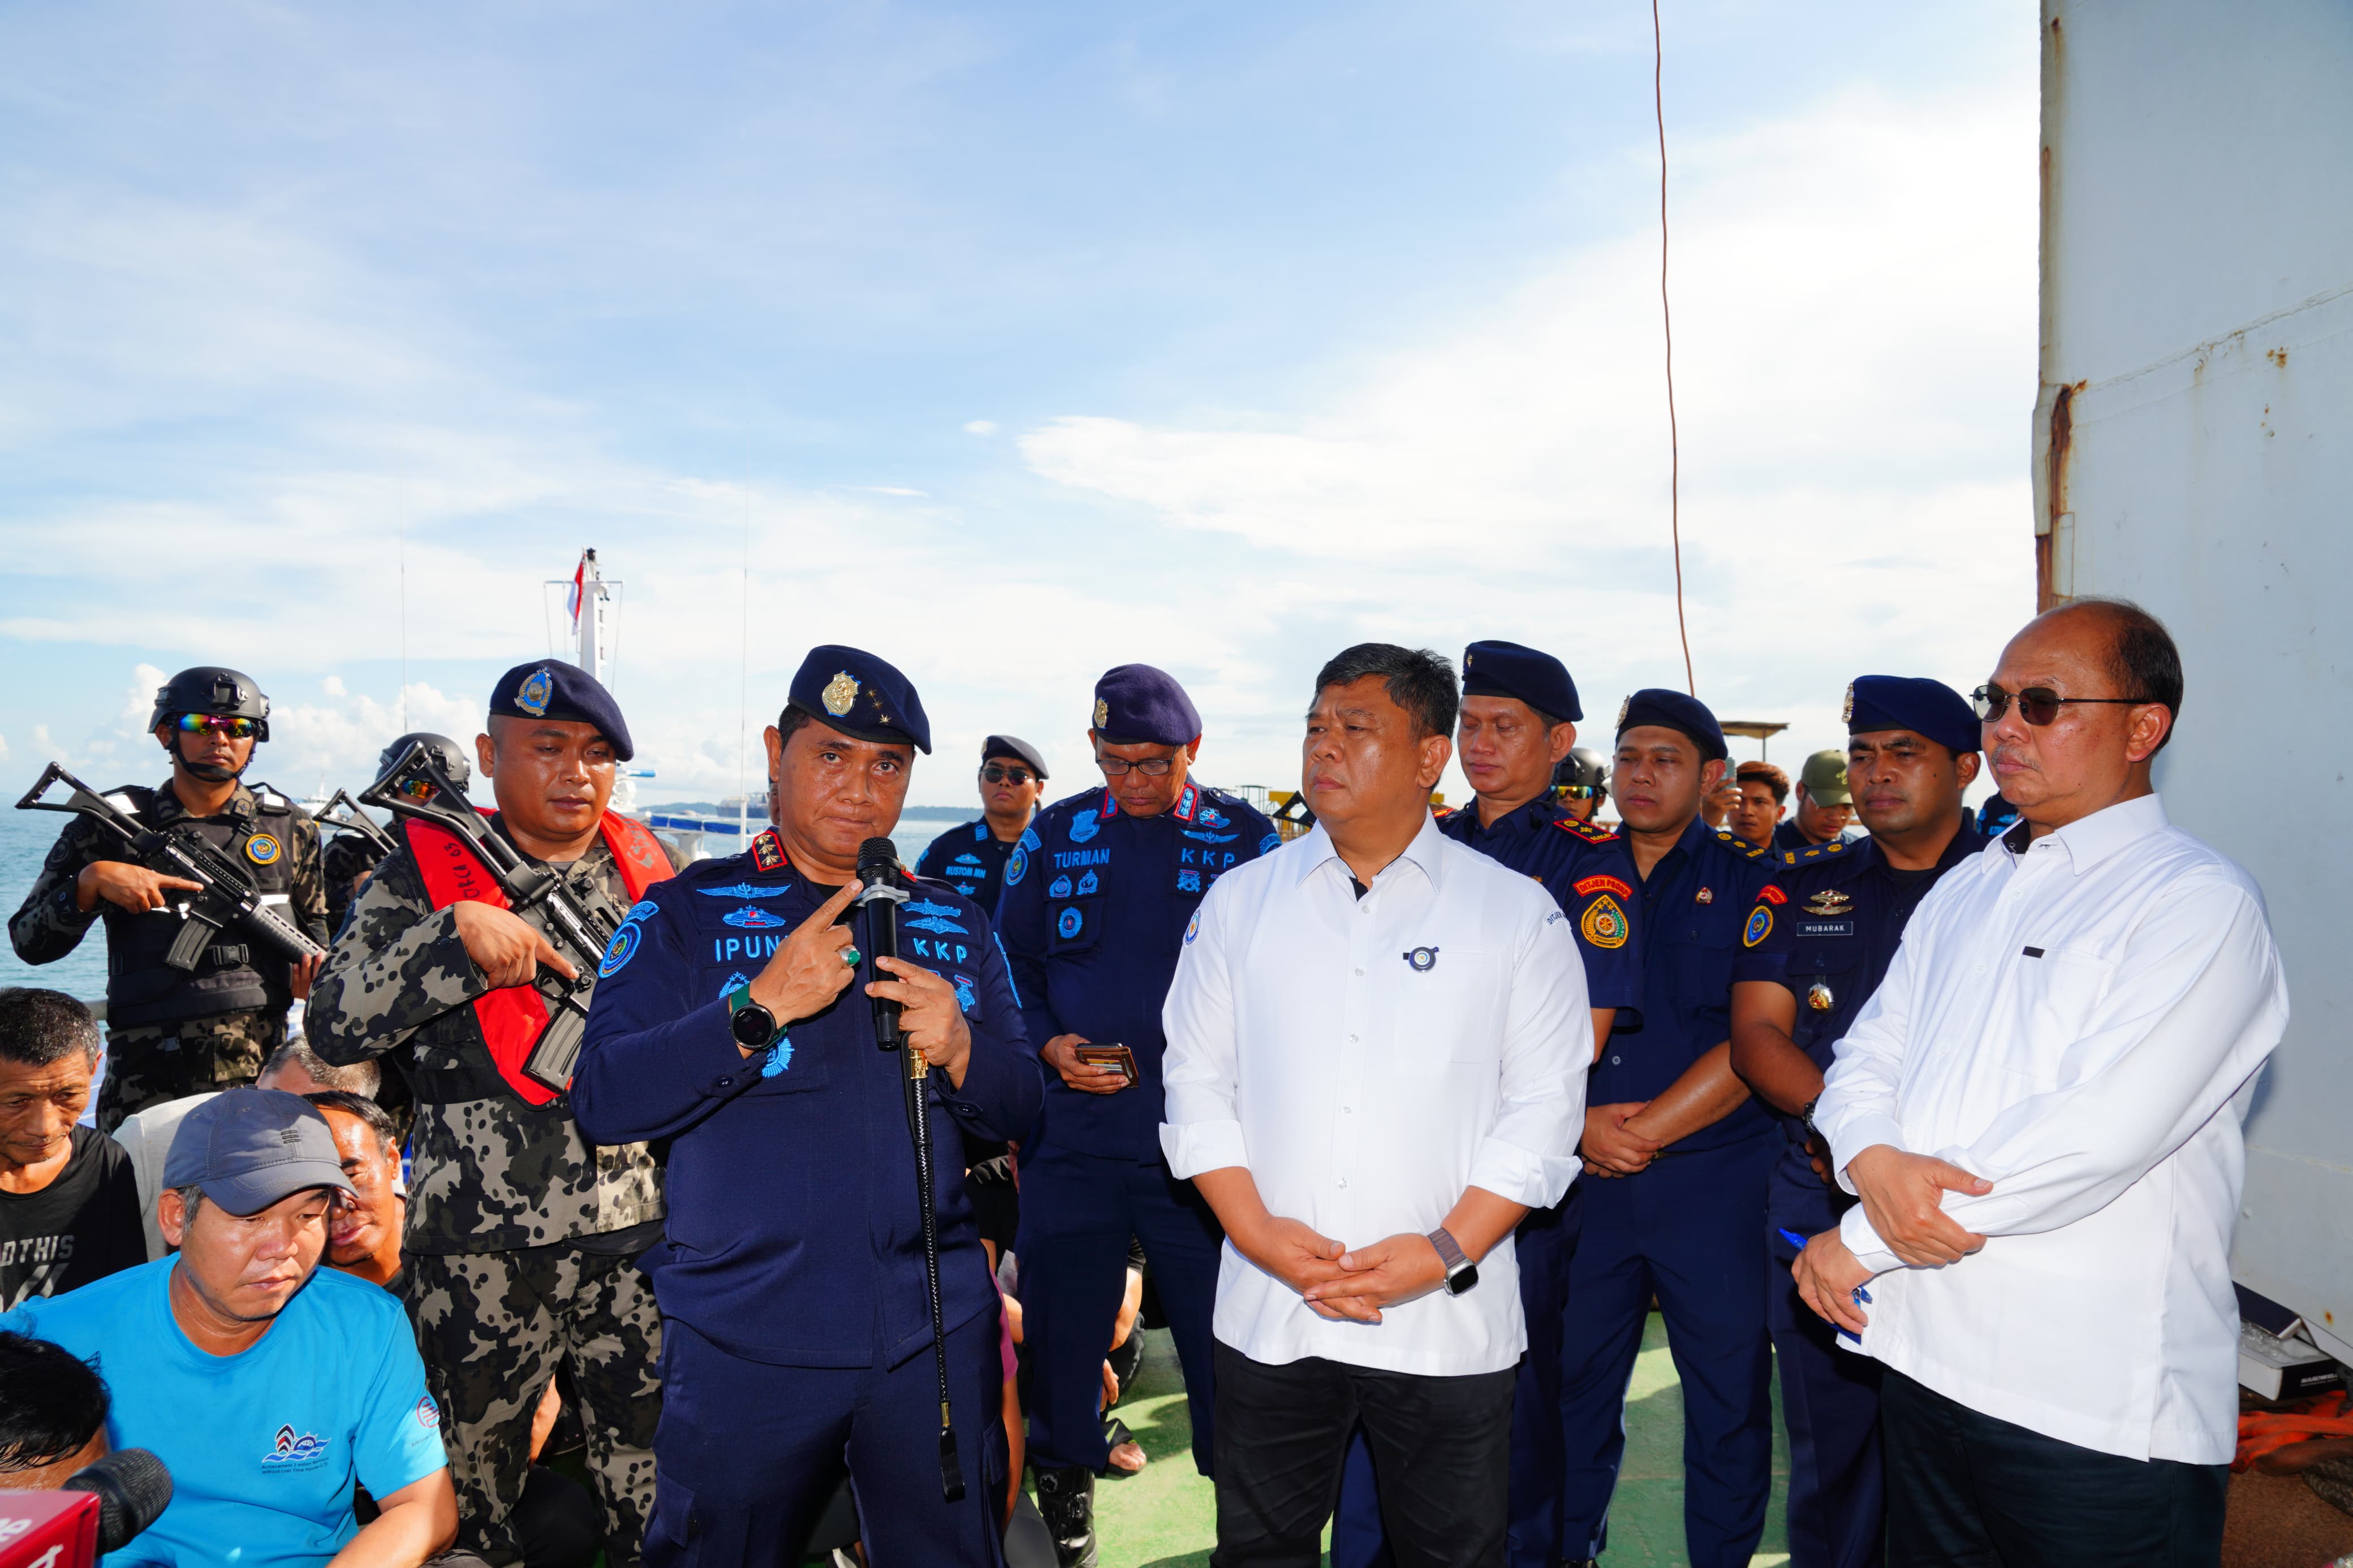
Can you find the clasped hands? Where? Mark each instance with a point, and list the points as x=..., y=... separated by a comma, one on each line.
x=1903, y=1196
x=1337, y=1283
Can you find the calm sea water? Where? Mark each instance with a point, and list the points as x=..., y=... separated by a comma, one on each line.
x=25, y=837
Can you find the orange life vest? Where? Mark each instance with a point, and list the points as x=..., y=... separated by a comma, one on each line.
x=512, y=1015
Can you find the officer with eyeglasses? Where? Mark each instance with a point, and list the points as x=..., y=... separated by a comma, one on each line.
x=971, y=857
x=1098, y=896
x=173, y=1032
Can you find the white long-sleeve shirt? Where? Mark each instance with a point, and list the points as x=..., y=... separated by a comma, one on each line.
x=1367, y=1059
x=2081, y=1022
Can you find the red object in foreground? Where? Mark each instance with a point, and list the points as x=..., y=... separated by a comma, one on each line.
x=49, y=1529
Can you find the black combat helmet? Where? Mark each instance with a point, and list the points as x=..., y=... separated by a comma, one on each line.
x=447, y=755
x=1582, y=766
x=212, y=689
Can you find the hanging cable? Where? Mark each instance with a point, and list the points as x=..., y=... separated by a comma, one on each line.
x=1667, y=320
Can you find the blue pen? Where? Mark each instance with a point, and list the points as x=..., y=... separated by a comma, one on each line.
x=1862, y=1296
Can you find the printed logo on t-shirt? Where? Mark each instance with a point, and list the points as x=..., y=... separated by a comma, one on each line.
x=429, y=1414
x=289, y=1452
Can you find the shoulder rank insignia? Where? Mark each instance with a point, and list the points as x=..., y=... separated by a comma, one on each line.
x=1585, y=830
x=1835, y=847
x=768, y=850
x=1738, y=844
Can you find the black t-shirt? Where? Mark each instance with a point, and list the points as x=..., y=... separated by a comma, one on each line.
x=83, y=1227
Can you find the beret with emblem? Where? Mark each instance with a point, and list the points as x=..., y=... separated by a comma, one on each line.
x=1926, y=707
x=1015, y=748
x=1671, y=710
x=1138, y=705
x=1495, y=668
x=552, y=688
x=865, y=697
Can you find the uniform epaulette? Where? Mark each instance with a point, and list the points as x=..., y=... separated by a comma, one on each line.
x=1815, y=852
x=1740, y=845
x=1585, y=830
x=1442, y=812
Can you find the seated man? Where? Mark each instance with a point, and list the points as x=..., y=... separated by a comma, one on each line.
x=293, y=1066
x=555, y=1519
x=68, y=1212
x=267, y=1385
x=52, y=1414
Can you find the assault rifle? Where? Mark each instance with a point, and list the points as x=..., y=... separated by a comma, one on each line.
x=223, y=897
x=342, y=812
x=576, y=930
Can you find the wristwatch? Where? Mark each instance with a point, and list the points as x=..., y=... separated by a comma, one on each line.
x=754, y=1027
x=1461, y=1272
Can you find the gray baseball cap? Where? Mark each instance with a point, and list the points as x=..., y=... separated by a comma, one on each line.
x=250, y=1148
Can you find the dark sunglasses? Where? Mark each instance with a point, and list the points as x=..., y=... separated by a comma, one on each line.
x=2038, y=705
x=1580, y=792
x=235, y=729
x=998, y=773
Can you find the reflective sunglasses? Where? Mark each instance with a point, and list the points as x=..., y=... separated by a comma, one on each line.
x=1580, y=792
x=1151, y=767
x=235, y=729
x=416, y=789
x=2038, y=705
x=998, y=773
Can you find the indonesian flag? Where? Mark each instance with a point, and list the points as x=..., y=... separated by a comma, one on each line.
x=580, y=584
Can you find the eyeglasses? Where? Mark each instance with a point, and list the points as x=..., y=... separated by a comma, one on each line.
x=1580, y=792
x=235, y=729
x=1151, y=767
x=998, y=773
x=2038, y=705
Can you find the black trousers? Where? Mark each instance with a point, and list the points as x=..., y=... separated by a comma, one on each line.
x=1968, y=1490
x=1441, y=1459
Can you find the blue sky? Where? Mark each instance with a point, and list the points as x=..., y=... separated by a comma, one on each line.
x=1012, y=342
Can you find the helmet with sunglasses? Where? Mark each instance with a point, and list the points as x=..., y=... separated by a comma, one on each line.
x=214, y=691
x=1581, y=769
x=447, y=755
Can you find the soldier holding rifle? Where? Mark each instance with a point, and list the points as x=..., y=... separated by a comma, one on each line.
x=521, y=1235
x=175, y=1029
x=736, y=1018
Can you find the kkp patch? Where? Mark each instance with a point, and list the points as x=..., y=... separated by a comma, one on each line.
x=841, y=694
x=1269, y=843
x=1193, y=928
x=1760, y=927
x=263, y=850
x=624, y=947
x=1588, y=886
x=533, y=694
x=1423, y=958
x=1016, y=865
x=1604, y=924
x=1069, y=922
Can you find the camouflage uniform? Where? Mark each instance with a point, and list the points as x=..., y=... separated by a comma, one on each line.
x=521, y=1238
x=150, y=1063
x=347, y=857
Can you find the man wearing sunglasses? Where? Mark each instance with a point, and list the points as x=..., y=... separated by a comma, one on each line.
x=173, y=1032
x=970, y=857
x=2040, y=1111
x=1582, y=782
x=1812, y=950
x=1093, y=917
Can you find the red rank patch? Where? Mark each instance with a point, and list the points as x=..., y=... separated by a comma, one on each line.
x=1772, y=895
x=767, y=850
x=1592, y=885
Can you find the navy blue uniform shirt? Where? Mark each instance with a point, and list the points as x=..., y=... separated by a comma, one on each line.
x=1093, y=914
x=970, y=858
x=1692, y=909
x=794, y=1236
x=1580, y=866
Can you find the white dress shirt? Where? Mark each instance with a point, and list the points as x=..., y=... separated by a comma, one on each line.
x=1367, y=1059
x=2081, y=1024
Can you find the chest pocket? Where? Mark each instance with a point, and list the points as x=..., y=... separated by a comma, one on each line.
x=2056, y=995
x=1700, y=941
x=1450, y=1016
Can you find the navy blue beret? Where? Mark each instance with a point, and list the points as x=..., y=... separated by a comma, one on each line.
x=1928, y=707
x=1138, y=705
x=1014, y=747
x=1673, y=710
x=1506, y=670
x=552, y=688
x=865, y=697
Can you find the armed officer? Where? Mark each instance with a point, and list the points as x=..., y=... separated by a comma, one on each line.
x=173, y=1032
x=1516, y=729
x=1675, y=1159
x=1097, y=897
x=350, y=855
x=971, y=857
x=521, y=1235
x=1813, y=949
x=792, y=1274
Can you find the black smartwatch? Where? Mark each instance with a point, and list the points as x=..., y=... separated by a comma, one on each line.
x=754, y=1027
x=1461, y=1272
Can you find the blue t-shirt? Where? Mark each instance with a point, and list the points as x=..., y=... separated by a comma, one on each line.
x=263, y=1446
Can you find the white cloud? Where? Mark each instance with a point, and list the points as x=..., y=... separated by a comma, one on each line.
x=980, y=427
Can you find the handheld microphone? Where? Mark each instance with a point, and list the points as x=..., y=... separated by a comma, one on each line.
x=882, y=893
x=132, y=1489
x=98, y=1511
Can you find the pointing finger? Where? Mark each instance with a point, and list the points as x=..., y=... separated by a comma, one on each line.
x=547, y=955
x=832, y=907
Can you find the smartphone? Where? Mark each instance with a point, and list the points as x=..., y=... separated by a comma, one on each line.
x=1111, y=1054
